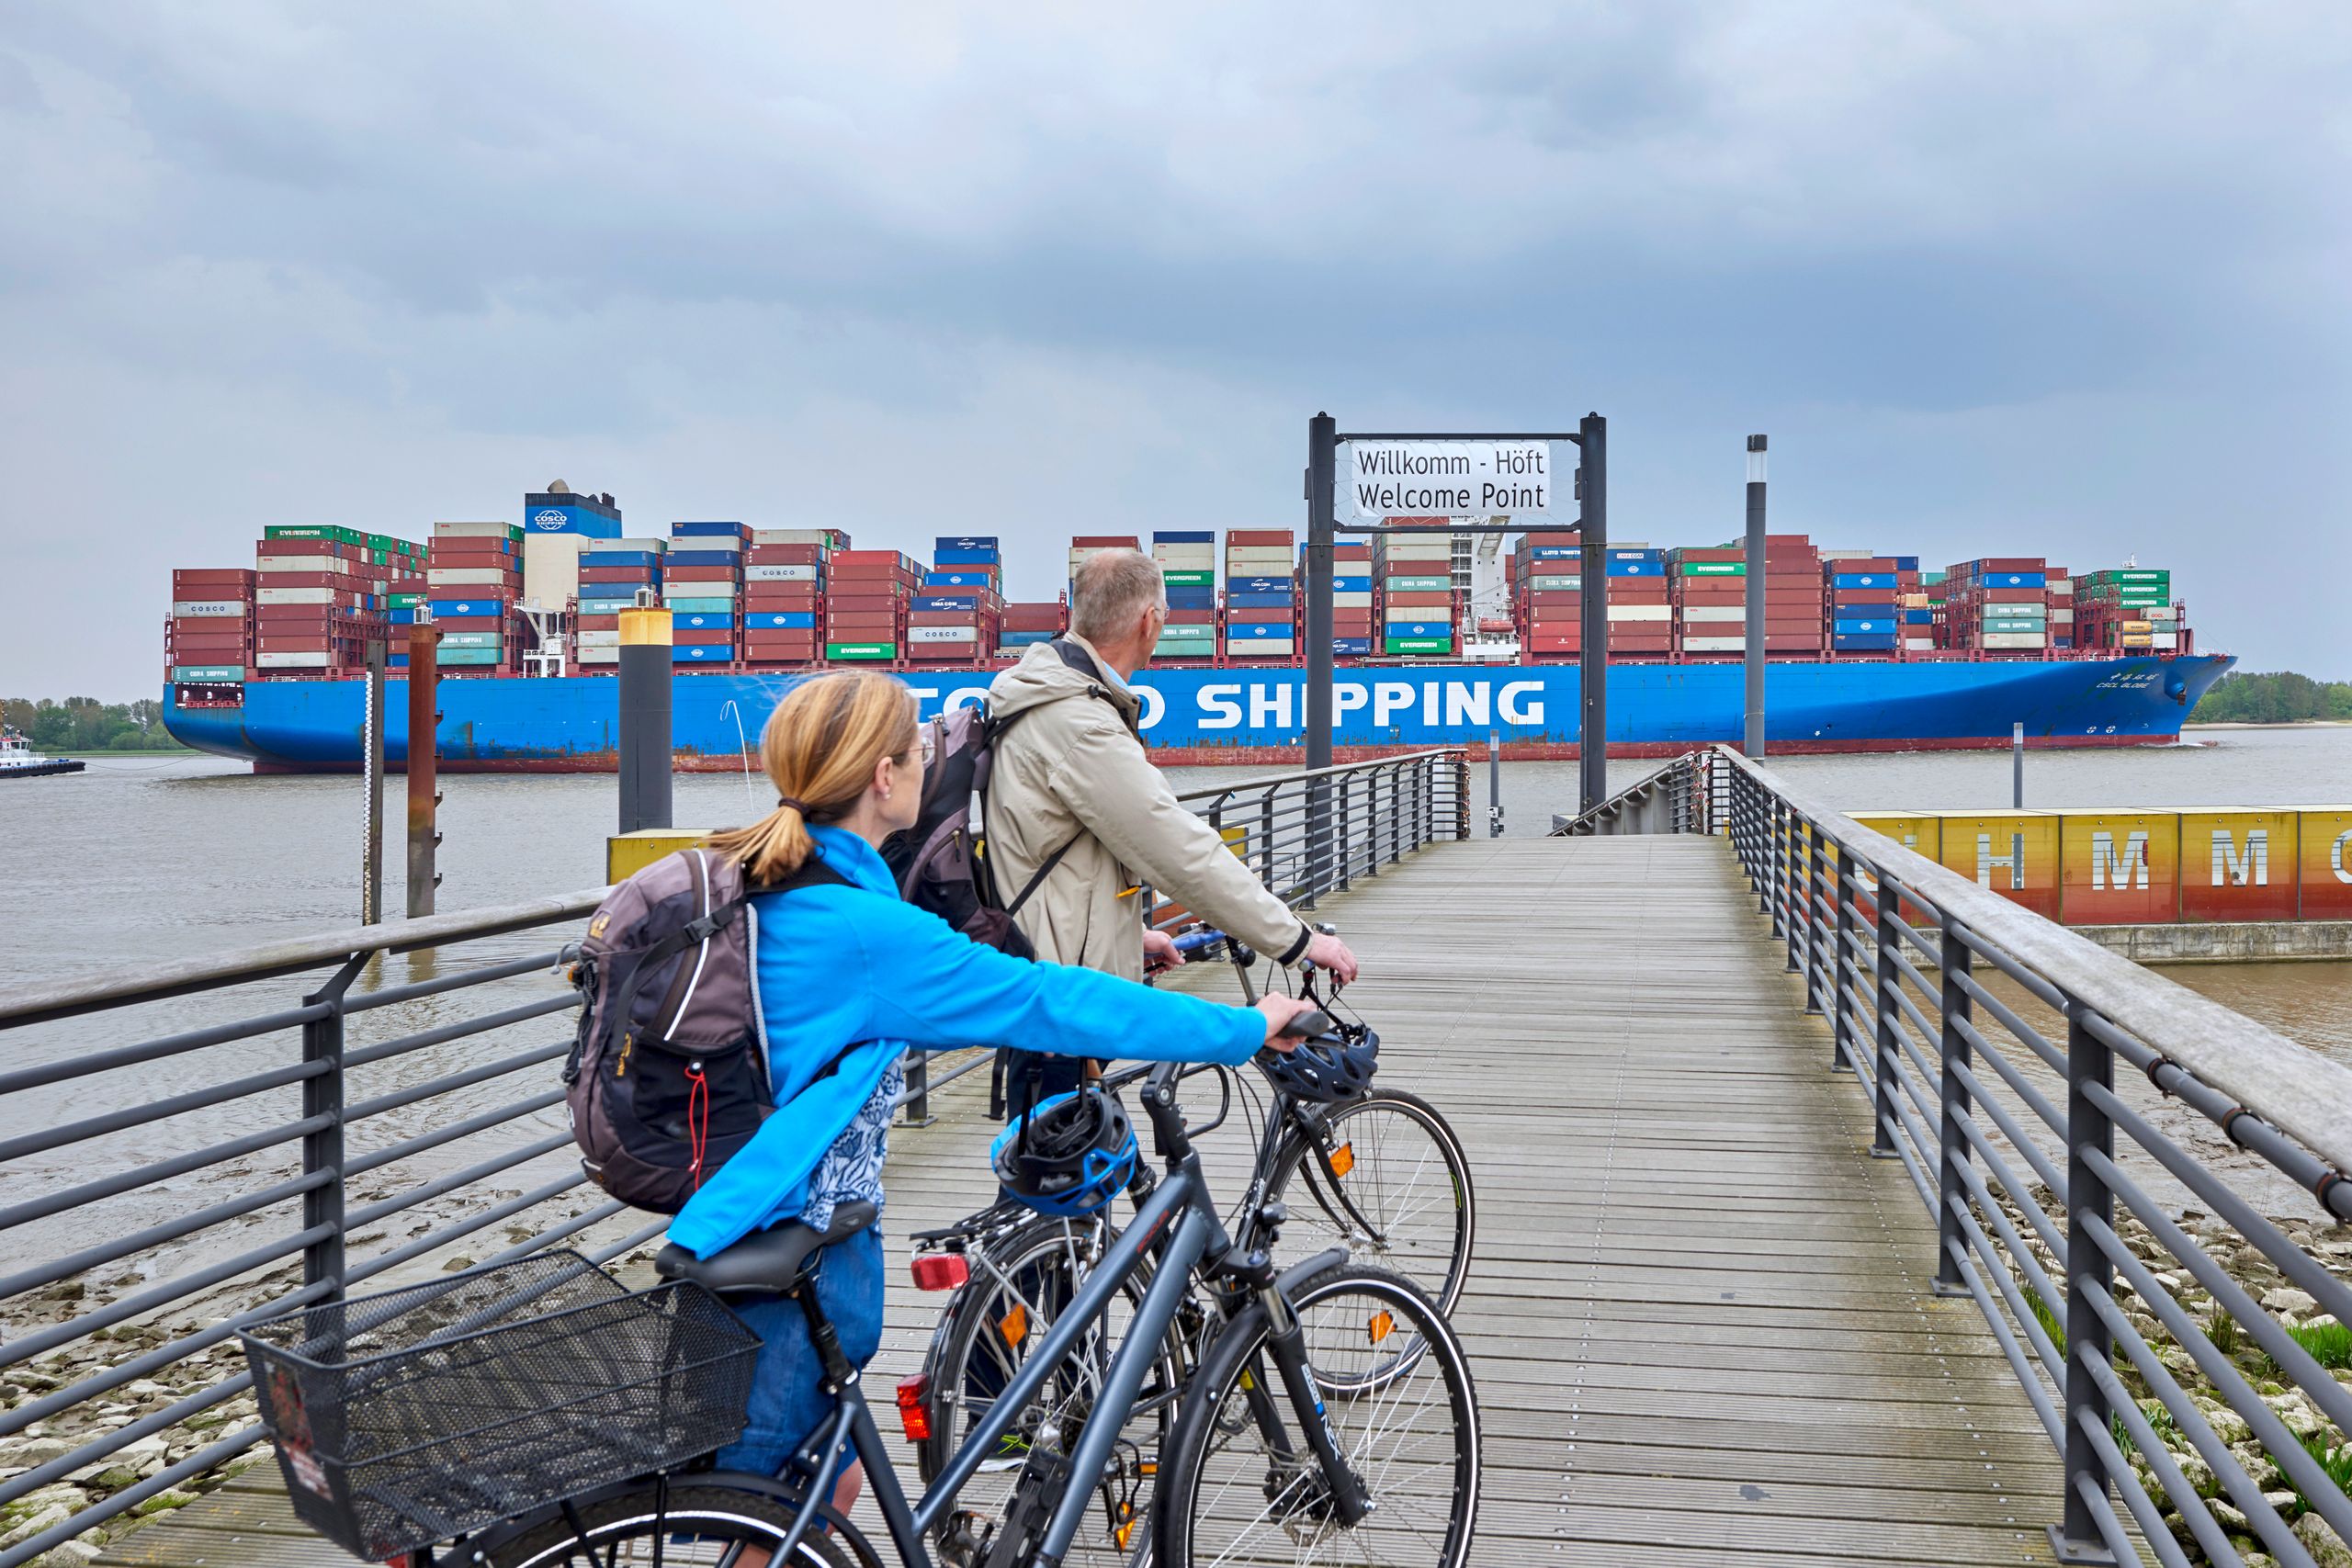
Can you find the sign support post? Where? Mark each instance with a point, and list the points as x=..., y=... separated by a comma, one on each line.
x=372, y=775
x=424, y=764
x=1756, y=586
x=1322, y=528
x=1592, y=660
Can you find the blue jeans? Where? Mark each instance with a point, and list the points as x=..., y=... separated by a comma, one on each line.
x=788, y=1401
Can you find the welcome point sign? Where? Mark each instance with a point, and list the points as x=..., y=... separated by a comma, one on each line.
x=1449, y=479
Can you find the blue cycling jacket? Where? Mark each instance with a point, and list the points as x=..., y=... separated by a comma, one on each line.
x=853, y=969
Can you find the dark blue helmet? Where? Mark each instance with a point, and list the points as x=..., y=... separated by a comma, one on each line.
x=1326, y=1069
x=1069, y=1156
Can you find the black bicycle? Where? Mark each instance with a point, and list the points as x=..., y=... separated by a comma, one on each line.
x=1381, y=1173
x=532, y=1414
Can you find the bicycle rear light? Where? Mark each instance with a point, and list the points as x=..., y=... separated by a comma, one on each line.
x=941, y=1270
x=914, y=1407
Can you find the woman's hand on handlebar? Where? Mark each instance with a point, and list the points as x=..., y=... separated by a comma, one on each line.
x=1279, y=1011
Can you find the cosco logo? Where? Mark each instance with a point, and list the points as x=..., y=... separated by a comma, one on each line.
x=550, y=519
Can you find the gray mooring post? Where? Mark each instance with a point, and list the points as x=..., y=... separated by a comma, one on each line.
x=1592, y=660
x=2017, y=767
x=1755, y=588
x=1322, y=531
x=1494, y=784
x=372, y=773
x=645, y=755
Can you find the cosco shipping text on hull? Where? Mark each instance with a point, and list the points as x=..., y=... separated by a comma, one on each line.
x=1256, y=716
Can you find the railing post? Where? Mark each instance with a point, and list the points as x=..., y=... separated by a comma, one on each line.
x=1841, y=941
x=1266, y=836
x=916, y=1108
x=1812, y=869
x=1953, y=961
x=1776, y=859
x=1884, y=1010
x=1343, y=838
x=323, y=1261
x=1760, y=845
x=2089, y=1063
x=1374, y=825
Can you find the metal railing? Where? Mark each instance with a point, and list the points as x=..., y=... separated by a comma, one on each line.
x=2106, y=1250
x=1683, y=795
x=251, y=1152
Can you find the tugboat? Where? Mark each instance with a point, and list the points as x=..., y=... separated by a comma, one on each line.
x=19, y=760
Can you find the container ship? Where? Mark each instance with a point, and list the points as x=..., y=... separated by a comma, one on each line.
x=1438, y=637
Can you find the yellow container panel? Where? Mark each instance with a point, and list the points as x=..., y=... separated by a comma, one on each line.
x=2014, y=853
x=625, y=855
x=2120, y=867
x=2238, y=864
x=2324, y=864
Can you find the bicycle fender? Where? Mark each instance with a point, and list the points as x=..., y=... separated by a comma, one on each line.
x=1299, y=1273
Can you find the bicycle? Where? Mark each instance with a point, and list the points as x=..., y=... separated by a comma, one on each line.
x=1013, y=1273
x=1335, y=1402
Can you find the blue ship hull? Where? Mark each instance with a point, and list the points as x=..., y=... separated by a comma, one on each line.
x=1253, y=716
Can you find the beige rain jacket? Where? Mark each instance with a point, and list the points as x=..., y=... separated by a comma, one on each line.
x=1072, y=771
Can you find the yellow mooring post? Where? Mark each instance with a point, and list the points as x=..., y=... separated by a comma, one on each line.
x=625, y=855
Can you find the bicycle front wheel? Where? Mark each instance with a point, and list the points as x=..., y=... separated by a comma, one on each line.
x=1242, y=1485
x=1388, y=1180
x=702, y=1526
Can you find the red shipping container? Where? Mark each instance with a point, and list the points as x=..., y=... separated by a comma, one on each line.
x=209, y=577
x=1088, y=541
x=471, y=623
x=701, y=636
x=621, y=574
x=702, y=574
x=1271, y=615
x=1261, y=537
x=779, y=597
x=1713, y=555
x=306, y=548
x=598, y=624
x=1192, y=617
x=342, y=582
x=866, y=603
x=853, y=559
x=1433, y=599
x=785, y=555
x=943, y=618
x=860, y=628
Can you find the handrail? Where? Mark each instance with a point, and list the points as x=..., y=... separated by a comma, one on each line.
x=1402, y=758
x=2048, y=1251
x=2271, y=1075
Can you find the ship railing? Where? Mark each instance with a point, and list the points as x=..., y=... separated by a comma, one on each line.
x=2120, y=1232
x=200, y=1144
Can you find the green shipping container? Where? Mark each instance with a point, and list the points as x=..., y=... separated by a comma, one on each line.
x=861, y=651
x=1712, y=568
x=406, y=601
x=208, y=672
x=314, y=531
x=1420, y=584
x=470, y=640
x=1190, y=578
x=468, y=655
x=1419, y=645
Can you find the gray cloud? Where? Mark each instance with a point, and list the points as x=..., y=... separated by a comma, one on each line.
x=2023, y=279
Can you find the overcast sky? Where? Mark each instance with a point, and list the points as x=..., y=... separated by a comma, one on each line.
x=2062, y=280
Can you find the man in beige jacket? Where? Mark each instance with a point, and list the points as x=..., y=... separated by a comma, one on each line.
x=1070, y=777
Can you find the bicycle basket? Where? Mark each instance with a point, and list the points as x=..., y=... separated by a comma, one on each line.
x=415, y=1415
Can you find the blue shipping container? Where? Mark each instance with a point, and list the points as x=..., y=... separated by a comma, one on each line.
x=1273, y=599
x=954, y=579
x=1865, y=607
x=1656, y=556
x=401, y=617
x=619, y=557
x=1419, y=629
x=1184, y=536
x=702, y=653
x=985, y=556
x=1918, y=617
x=444, y=608
x=1861, y=580
x=965, y=542
x=1351, y=646
x=1022, y=640
x=1556, y=552
x=1268, y=584
x=1862, y=642
x=1192, y=598
x=1904, y=563
x=708, y=531
x=2015, y=580
x=468, y=655
x=781, y=620
x=1862, y=624
x=702, y=621
x=706, y=558
x=1236, y=631
x=1637, y=569
x=929, y=603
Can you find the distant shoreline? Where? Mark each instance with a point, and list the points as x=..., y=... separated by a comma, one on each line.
x=2282, y=724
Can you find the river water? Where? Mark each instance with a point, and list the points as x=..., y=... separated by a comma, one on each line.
x=146, y=859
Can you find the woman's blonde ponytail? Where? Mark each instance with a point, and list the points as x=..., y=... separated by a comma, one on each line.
x=820, y=748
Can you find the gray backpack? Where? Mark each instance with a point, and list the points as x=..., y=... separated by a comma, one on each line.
x=669, y=1075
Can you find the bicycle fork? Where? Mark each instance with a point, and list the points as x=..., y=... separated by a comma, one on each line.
x=1350, y=1503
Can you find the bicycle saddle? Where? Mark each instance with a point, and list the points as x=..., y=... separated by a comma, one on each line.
x=768, y=1261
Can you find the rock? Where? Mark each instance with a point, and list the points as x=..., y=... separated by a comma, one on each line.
x=2296, y=1412
x=2232, y=1518
x=458, y=1265
x=74, y=1553
x=163, y=1503
x=2228, y=1425
x=2327, y=1548
x=2286, y=1505
x=31, y=1451
x=2287, y=1298
x=33, y=1524
x=2198, y=1475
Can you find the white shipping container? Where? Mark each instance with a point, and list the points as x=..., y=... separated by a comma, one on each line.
x=2159, y=612
x=1714, y=644
x=300, y=595
x=471, y=531
x=2015, y=640
x=1695, y=612
x=707, y=542
x=551, y=567
x=1259, y=561
x=1361, y=601
x=671, y=590
x=942, y=634
x=600, y=656
x=600, y=640
x=1641, y=611
x=1921, y=644
x=1441, y=551
x=2164, y=639
x=653, y=547
x=1552, y=583
x=1261, y=647
x=1189, y=557
x=293, y=660
x=792, y=536
x=231, y=608
x=780, y=574
x=468, y=577
x=267, y=565
x=1405, y=618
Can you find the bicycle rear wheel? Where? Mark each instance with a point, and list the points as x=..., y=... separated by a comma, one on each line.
x=1019, y=1289
x=1241, y=1486
x=1390, y=1183
x=701, y=1528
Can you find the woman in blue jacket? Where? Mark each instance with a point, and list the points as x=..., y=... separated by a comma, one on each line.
x=848, y=977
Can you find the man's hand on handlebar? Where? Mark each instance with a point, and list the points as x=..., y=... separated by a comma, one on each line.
x=1279, y=1012
x=1160, y=952
x=1327, y=951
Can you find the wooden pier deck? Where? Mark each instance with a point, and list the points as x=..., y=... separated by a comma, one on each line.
x=1700, y=1313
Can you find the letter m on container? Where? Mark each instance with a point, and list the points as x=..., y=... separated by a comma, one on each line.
x=2235, y=866
x=2120, y=867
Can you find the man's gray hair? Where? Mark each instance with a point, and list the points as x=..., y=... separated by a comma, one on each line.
x=1112, y=590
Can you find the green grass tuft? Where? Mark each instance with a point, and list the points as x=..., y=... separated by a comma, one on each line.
x=2051, y=1323
x=2329, y=1344
x=2224, y=1333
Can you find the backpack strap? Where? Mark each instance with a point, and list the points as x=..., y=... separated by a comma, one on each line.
x=1078, y=659
x=813, y=873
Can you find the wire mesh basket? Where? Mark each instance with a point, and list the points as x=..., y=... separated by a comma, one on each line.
x=417, y=1414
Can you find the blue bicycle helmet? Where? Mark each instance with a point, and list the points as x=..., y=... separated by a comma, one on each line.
x=1068, y=1155
x=1326, y=1070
